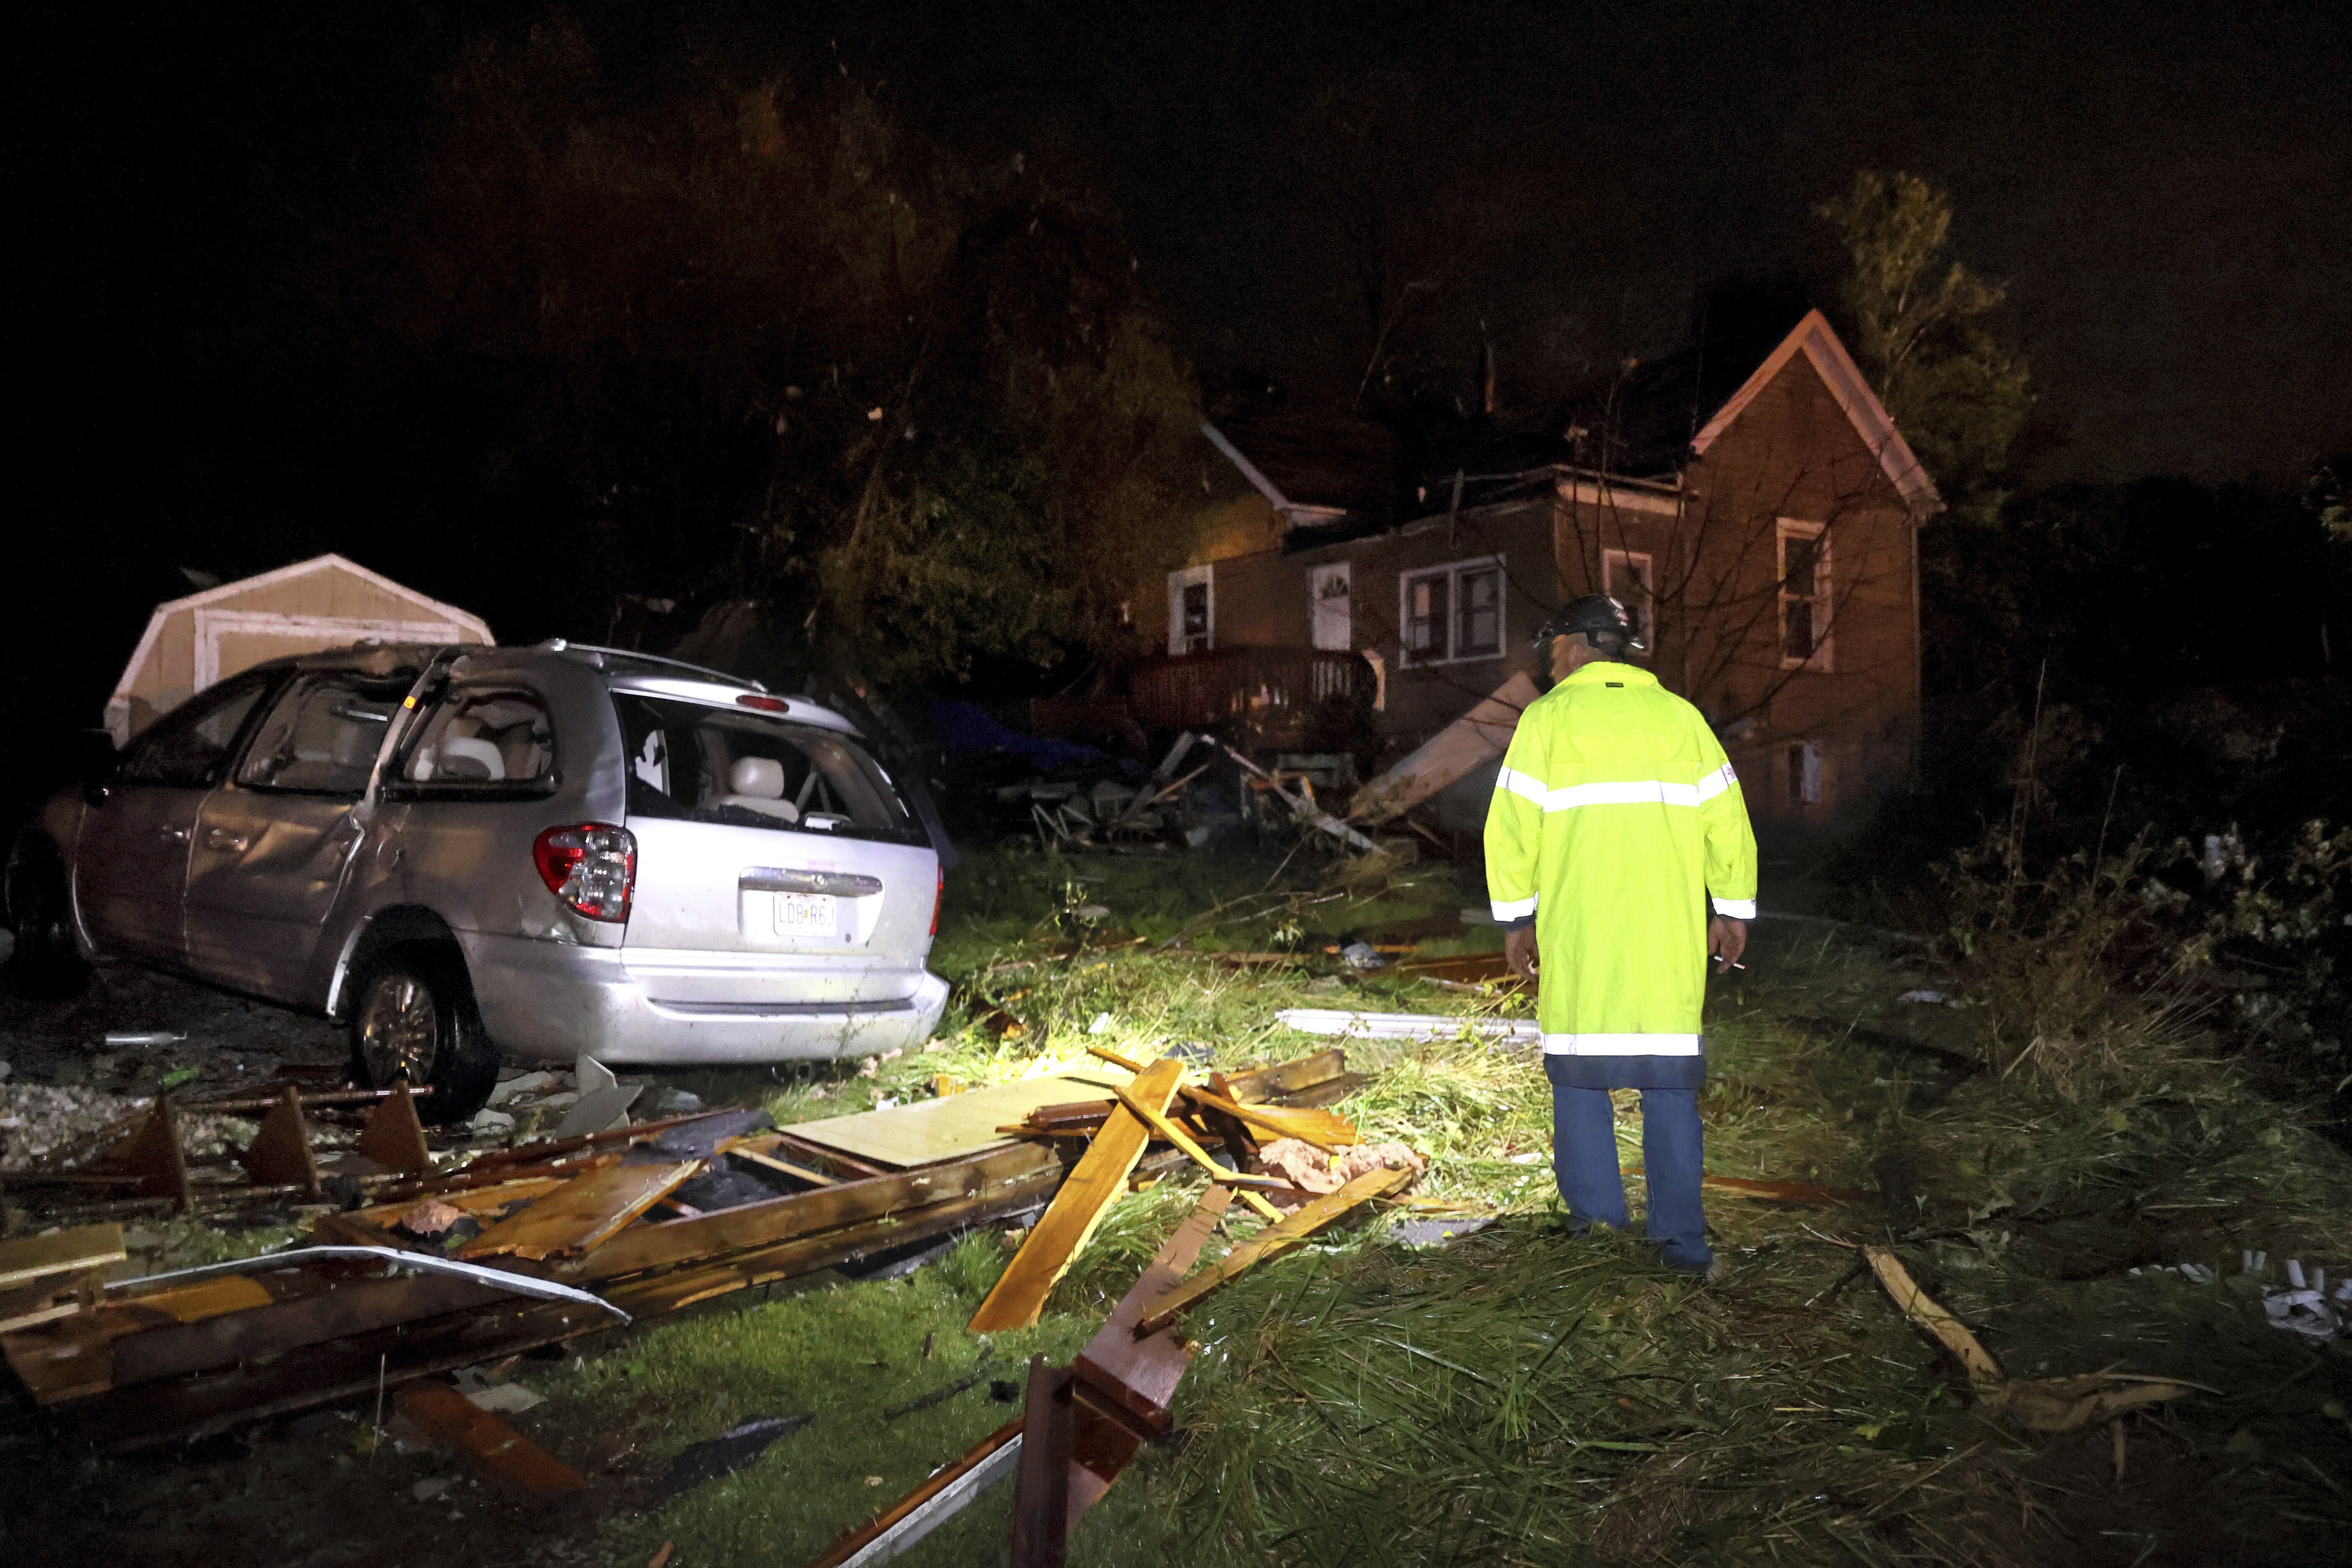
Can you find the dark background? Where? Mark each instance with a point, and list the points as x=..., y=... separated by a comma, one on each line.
x=2163, y=188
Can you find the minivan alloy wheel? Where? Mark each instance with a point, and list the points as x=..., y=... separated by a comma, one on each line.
x=400, y=1028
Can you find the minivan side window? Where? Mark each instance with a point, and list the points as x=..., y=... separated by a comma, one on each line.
x=323, y=735
x=185, y=747
x=701, y=764
x=479, y=739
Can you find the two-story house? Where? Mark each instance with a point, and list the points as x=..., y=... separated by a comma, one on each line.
x=1760, y=521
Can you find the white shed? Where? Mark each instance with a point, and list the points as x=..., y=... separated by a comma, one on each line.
x=324, y=603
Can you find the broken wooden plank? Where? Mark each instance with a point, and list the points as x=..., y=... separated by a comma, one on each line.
x=583, y=1212
x=1269, y=1243
x=784, y=1167
x=663, y=1292
x=1771, y=1192
x=151, y=1160
x=1125, y=1383
x=1325, y=1129
x=641, y=1248
x=495, y=1448
x=1265, y=1083
x=29, y=1258
x=1194, y=1153
x=1093, y=1186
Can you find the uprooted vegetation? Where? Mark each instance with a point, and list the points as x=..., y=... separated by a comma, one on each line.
x=1515, y=1396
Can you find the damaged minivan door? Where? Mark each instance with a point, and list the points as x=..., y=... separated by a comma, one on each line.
x=274, y=842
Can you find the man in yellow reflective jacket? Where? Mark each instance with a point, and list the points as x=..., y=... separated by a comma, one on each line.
x=1615, y=821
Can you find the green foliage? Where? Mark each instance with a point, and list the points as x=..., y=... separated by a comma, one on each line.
x=761, y=337
x=1958, y=397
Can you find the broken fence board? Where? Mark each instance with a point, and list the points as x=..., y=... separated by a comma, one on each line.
x=1270, y=1243
x=495, y=1448
x=1093, y=1186
x=641, y=1248
x=579, y=1214
x=893, y=1532
x=1323, y=1129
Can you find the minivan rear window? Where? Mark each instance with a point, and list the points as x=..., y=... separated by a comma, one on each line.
x=699, y=763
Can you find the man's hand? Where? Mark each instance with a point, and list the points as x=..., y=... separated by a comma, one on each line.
x=1520, y=952
x=1727, y=939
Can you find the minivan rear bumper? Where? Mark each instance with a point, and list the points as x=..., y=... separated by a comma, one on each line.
x=557, y=1000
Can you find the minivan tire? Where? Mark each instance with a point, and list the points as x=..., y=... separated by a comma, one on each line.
x=413, y=1017
x=46, y=961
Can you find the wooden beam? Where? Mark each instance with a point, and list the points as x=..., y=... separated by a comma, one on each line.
x=29, y=1258
x=280, y=1152
x=1322, y=1128
x=934, y=1503
x=1265, y=1083
x=1269, y=1243
x=1198, y=1155
x=1041, y=1482
x=1094, y=1184
x=785, y=1167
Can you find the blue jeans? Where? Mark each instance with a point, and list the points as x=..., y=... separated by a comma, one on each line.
x=1584, y=1159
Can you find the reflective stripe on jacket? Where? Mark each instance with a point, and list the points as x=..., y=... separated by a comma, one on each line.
x=1616, y=815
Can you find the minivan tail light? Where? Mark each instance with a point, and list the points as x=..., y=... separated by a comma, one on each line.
x=938, y=898
x=764, y=704
x=591, y=865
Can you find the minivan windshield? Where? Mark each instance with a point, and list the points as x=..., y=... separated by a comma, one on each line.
x=701, y=764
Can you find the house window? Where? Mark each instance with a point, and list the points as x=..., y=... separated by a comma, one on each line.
x=1328, y=596
x=1805, y=600
x=1453, y=612
x=1626, y=576
x=1192, y=609
x=1805, y=774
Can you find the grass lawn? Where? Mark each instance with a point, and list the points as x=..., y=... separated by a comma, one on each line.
x=1517, y=1396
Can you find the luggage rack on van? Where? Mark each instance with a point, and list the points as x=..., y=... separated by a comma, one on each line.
x=560, y=645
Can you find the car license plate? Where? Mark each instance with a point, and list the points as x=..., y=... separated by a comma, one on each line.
x=807, y=914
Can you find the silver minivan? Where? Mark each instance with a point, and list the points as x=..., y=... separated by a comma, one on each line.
x=544, y=851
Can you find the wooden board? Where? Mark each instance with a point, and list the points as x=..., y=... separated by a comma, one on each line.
x=1269, y=1243
x=1125, y=1383
x=1094, y=1184
x=643, y=1248
x=579, y=1214
x=31, y=1258
x=1324, y=1129
x=961, y=1124
x=495, y=1448
x=1265, y=1083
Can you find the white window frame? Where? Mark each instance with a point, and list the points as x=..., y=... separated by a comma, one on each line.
x=1638, y=566
x=1332, y=629
x=1452, y=572
x=1184, y=577
x=1822, y=599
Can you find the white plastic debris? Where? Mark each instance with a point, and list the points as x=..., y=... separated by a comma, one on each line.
x=142, y=1039
x=1406, y=1025
x=1932, y=998
x=1363, y=955
x=590, y=1075
x=530, y=1083
x=491, y=1124
x=505, y=1398
x=1101, y=1025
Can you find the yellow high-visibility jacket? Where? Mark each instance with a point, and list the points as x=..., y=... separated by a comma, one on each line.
x=1615, y=816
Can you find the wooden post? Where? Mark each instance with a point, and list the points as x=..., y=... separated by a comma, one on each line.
x=1041, y=1485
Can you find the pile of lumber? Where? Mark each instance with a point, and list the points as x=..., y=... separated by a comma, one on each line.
x=1081, y=1424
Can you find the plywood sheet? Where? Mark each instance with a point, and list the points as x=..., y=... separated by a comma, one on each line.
x=955, y=1125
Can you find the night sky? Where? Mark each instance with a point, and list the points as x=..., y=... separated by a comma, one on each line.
x=2166, y=189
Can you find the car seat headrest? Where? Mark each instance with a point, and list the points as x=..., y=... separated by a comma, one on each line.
x=762, y=777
